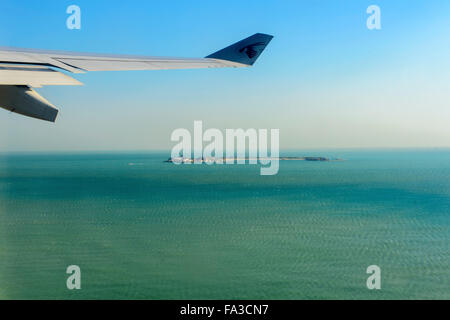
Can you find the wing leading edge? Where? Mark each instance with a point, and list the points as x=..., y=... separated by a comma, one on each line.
x=35, y=68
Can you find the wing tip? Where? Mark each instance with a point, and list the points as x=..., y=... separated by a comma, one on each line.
x=246, y=51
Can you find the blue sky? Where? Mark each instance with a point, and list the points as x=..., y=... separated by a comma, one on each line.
x=325, y=81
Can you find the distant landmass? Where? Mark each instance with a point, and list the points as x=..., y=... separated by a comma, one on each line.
x=210, y=160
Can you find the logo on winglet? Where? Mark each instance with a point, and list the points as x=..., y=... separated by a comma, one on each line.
x=250, y=50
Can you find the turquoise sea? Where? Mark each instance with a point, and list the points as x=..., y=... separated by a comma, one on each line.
x=140, y=228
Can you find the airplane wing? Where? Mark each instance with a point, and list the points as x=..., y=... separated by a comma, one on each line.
x=23, y=69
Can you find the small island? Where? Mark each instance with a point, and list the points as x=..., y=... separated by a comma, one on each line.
x=224, y=160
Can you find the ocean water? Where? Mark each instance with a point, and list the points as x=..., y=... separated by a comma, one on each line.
x=140, y=228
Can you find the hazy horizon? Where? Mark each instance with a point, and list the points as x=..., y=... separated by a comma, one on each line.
x=287, y=151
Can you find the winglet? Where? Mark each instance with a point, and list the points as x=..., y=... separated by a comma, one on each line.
x=245, y=51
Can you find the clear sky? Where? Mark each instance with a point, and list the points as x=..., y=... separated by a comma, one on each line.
x=325, y=81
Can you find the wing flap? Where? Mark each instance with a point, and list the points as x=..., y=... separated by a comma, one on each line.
x=33, y=76
x=103, y=64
